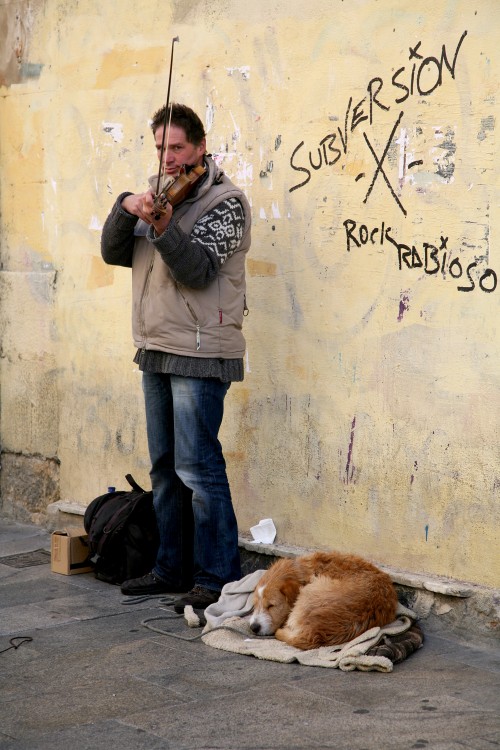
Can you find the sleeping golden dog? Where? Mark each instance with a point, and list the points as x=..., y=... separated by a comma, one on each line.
x=322, y=599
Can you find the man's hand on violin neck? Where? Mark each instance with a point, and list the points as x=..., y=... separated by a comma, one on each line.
x=137, y=205
x=142, y=205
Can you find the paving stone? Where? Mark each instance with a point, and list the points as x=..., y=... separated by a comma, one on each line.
x=23, y=617
x=276, y=715
x=94, y=736
x=19, y=537
x=71, y=702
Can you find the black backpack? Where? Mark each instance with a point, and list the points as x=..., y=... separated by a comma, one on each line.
x=122, y=534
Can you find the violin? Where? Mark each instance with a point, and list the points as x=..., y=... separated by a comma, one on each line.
x=177, y=189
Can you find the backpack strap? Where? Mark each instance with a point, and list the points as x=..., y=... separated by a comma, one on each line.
x=130, y=479
x=120, y=517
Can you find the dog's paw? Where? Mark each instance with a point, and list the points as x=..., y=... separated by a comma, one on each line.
x=282, y=634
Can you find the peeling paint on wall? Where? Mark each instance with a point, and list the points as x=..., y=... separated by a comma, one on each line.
x=16, y=24
x=115, y=130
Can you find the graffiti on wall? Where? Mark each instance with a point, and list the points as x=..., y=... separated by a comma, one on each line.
x=432, y=257
x=420, y=78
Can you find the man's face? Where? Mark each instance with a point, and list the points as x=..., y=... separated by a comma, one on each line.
x=178, y=151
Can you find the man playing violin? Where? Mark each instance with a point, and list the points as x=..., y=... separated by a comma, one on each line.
x=188, y=304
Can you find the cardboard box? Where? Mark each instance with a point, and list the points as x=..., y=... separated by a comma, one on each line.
x=69, y=551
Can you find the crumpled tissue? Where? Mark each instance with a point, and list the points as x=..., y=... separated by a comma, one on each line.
x=264, y=532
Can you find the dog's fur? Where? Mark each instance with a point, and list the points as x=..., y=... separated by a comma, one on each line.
x=323, y=599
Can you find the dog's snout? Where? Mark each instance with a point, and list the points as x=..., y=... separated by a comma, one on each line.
x=255, y=627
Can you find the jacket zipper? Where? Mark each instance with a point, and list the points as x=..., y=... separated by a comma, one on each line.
x=195, y=318
x=144, y=294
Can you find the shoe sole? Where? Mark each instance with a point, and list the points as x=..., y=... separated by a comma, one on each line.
x=151, y=592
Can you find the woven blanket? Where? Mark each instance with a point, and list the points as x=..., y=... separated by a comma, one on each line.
x=378, y=649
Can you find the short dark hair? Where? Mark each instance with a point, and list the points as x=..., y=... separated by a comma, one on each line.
x=182, y=117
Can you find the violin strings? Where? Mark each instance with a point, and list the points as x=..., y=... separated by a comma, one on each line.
x=167, y=179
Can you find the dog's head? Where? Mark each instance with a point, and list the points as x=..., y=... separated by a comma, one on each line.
x=274, y=598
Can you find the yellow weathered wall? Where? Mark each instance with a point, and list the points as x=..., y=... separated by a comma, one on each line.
x=368, y=419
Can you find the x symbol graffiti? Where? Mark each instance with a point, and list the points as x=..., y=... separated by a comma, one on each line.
x=379, y=165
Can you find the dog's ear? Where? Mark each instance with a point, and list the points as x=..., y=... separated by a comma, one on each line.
x=290, y=589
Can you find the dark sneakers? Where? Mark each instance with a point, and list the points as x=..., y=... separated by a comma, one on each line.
x=199, y=598
x=147, y=585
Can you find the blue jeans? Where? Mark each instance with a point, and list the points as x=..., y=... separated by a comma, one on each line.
x=183, y=417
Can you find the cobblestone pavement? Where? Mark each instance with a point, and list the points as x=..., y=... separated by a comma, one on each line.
x=92, y=676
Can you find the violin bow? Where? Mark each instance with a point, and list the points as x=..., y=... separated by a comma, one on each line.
x=167, y=107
